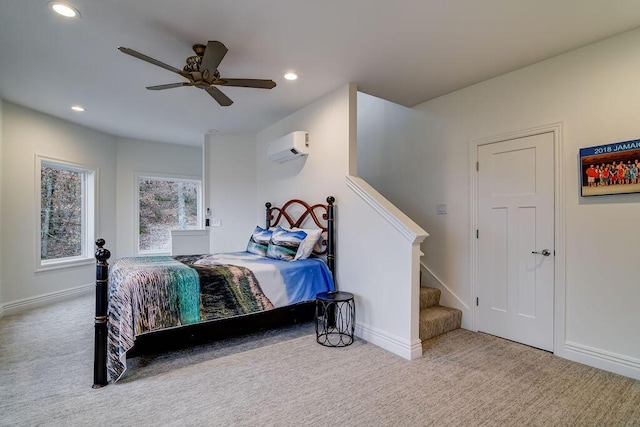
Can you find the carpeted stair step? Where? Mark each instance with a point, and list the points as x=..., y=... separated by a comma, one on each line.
x=438, y=320
x=429, y=297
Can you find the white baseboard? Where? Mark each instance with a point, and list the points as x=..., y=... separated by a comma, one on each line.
x=606, y=360
x=403, y=348
x=14, y=307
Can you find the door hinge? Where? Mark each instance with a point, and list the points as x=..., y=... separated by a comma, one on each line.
x=477, y=166
x=477, y=301
x=477, y=234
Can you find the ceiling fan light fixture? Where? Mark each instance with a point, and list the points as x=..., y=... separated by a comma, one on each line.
x=64, y=9
x=291, y=75
x=77, y=108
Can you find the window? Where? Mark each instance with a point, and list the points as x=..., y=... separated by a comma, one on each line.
x=66, y=221
x=165, y=204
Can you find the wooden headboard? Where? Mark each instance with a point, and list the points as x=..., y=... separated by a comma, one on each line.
x=300, y=214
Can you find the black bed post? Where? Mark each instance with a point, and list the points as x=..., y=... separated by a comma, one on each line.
x=268, y=215
x=331, y=250
x=100, y=348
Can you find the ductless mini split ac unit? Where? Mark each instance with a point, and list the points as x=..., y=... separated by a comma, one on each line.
x=289, y=147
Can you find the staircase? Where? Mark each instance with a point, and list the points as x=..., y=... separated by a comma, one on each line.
x=435, y=319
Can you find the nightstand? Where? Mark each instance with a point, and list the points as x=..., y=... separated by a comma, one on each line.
x=335, y=318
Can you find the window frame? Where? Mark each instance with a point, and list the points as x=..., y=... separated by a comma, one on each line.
x=88, y=215
x=138, y=176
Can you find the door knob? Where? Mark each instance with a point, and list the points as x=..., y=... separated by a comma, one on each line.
x=545, y=252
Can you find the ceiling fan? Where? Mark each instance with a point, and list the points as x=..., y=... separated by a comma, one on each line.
x=202, y=72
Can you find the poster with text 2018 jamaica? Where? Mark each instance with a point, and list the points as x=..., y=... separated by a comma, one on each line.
x=610, y=169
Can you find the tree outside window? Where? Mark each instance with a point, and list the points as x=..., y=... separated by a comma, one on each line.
x=166, y=204
x=66, y=211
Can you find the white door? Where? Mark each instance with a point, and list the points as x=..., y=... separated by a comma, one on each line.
x=515, y=286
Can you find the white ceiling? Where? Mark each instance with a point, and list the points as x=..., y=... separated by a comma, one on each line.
x=406, y=51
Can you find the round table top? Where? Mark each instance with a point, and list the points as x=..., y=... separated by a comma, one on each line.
x=335, y=296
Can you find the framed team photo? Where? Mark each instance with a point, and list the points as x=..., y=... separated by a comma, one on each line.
x=610, y=169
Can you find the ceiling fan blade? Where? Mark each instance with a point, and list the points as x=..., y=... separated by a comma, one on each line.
x=169, y=86
x=213, y=55
x=255, y=83
x=149, y=60
x=216, y=94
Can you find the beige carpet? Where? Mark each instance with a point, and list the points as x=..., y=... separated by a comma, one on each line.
x=286, y=379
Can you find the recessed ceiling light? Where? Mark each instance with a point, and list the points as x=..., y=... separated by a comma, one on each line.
x=78, y=108
x=64, y=9
x=291, y=76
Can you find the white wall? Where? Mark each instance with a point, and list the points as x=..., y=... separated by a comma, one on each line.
x=391, y=156
x=322, y=172
x=241, y=179
x=25, y=134
x=382, y=256
x=387, y=133
x=372, y=260
x=1, y=236
x=594, y=92
x=148, y=157
x=231, y=163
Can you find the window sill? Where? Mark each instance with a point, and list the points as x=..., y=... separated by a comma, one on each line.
x=153, y=253
x=65, y=264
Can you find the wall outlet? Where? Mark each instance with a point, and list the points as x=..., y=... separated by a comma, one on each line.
x=216, y=222
x=441, y=209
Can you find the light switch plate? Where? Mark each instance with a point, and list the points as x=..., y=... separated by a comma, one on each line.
x=441, y=209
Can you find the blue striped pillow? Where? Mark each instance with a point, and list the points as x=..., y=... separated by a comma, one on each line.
x=284, y=244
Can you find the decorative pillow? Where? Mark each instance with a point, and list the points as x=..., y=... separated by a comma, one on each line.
x=284, y=244
x=313, y=236
x=259, y=241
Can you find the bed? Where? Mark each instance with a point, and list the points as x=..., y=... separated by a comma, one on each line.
x=170, y=299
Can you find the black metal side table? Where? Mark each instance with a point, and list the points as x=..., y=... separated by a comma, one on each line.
x=335, y=318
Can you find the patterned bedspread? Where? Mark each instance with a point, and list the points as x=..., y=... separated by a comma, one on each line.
x=153, y=293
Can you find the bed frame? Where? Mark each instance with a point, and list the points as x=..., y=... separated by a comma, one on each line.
x=288, y=216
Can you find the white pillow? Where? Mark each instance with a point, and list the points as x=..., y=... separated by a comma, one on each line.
x=306, y=248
